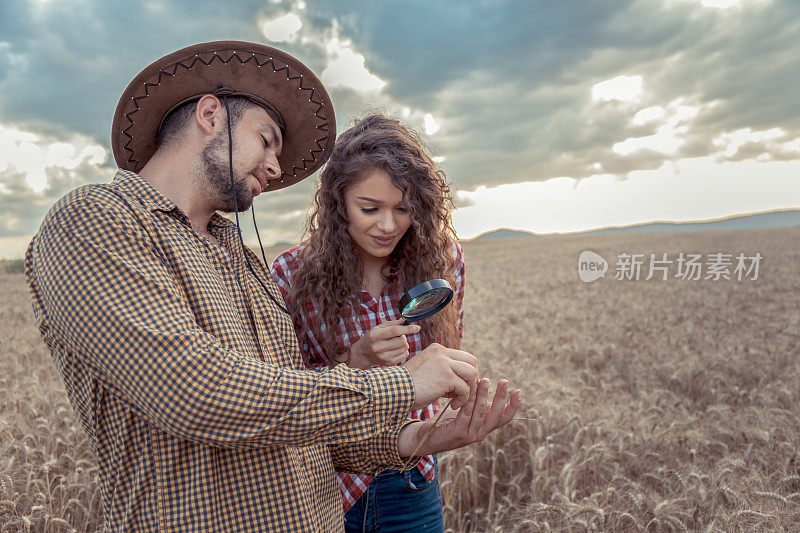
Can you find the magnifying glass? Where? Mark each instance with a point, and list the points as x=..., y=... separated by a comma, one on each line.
x=424, y=300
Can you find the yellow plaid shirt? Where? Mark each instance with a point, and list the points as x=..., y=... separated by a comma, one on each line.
x=187, y=378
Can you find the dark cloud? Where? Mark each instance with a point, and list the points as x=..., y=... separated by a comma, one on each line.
x=510, y=81
x=423, y=49
x=746, y=63
x=23, y=209
x=80, y=56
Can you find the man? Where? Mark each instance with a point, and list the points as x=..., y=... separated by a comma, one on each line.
x=171, y=336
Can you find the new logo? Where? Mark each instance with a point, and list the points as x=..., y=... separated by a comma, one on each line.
x=591, y=266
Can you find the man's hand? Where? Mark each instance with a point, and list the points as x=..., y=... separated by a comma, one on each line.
x=383, y=345
x=473, y=422
x=439, y=372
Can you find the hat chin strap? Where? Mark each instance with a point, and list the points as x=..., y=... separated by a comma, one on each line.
x=252, y=210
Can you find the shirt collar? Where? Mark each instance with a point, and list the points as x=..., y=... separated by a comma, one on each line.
x=138, y=187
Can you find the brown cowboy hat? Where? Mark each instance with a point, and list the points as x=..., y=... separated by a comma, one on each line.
x=292, y=95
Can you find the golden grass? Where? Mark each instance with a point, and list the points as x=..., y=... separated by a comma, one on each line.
x=664, y=405
x=48, y=474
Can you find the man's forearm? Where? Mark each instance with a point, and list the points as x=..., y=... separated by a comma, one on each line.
x=408, y=440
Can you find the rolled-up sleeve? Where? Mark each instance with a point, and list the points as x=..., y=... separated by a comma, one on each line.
x=107, y=294
x=372, y=455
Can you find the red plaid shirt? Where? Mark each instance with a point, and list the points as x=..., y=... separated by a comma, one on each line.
x=370, y=313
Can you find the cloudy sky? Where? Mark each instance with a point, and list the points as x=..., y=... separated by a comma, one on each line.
x=546, y=116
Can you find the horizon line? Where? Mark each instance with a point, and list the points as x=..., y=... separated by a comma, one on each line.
x=589, y=230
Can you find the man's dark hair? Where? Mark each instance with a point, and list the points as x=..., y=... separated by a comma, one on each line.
x=179, y=118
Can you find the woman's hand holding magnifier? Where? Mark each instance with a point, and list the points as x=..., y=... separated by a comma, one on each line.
x=383, y=345
x=386, y=343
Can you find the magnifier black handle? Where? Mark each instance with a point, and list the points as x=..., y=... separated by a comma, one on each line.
x=405, y=323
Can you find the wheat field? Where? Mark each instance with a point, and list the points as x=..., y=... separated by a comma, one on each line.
x=655, y=405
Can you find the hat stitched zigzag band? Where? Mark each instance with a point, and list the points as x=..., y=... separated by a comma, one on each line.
x=323, y=127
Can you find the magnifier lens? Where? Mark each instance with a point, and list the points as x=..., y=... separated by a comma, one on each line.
x=425, y=299
x=426, y=302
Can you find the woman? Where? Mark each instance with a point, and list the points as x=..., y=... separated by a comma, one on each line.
x=380, y=224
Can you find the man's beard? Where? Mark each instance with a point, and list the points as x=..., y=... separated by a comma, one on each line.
x=217, y=176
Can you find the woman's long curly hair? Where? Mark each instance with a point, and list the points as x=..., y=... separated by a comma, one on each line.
x=331, y=271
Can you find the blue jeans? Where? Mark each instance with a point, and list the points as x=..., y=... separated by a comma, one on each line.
x=398, y=501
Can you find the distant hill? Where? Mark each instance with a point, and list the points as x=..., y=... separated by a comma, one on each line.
x=505, y=233
x=773, y=219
